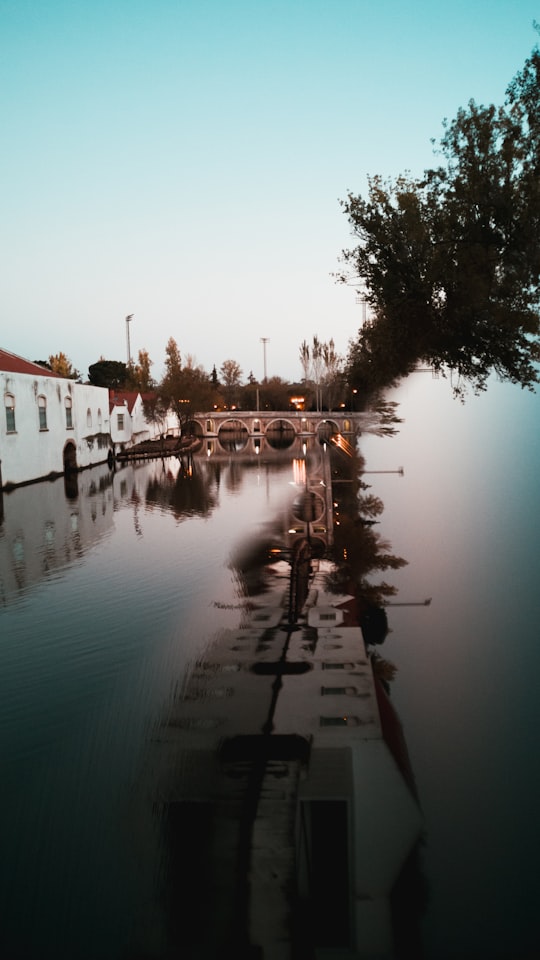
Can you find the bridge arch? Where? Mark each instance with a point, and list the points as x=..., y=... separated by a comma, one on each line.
x=327, y=429
x=233, y=435
x=280, y=433
x=308, y=506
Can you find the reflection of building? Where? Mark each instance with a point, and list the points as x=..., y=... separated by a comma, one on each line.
x=47, y=525
x=49, y=424
x=289, y=811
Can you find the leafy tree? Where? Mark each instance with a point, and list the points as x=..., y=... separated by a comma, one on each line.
x=61, y=364
x=305, y=360
x=332, y=374
x=323, y=367
x=451, y=261
x=139, y=373
x=156, y=411
x=274, y=394
x=173, y=360
x=231, y=376
x=108, y=373
x=184, y=390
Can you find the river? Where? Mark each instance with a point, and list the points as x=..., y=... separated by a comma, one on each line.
x=107, y=599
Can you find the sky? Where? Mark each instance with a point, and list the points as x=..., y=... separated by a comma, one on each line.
x=183, y=162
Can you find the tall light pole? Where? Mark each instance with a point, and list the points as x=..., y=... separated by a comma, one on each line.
x=399, y=470
x=128, y=321
x=264, y=341
x=415, y=603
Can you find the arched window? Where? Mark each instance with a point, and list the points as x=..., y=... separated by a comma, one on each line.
x=69, y=413
x=9, y=400
x=89, y=417
x=42, y=407
x=99, y=418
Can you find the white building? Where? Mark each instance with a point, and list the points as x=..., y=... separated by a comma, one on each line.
x=129, y=425
x=49, y=425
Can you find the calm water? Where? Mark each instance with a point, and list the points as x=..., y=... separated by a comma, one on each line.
x=107, y=599
x=465, y=514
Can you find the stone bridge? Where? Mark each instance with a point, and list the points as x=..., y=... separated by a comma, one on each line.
x=233, y=428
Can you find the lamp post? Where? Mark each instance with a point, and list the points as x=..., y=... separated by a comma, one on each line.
x=417, y=603
x=399, y=470
x=264, y=341
x=129, y=318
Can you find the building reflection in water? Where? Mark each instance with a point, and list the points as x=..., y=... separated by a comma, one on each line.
x=281, y=773
x=279, y=776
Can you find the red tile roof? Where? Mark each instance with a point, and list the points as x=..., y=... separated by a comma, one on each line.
x=117, y=398
x=11, y=363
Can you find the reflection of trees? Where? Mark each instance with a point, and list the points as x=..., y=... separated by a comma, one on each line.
x=358, y=551
x=384, y=417
x=191, y=493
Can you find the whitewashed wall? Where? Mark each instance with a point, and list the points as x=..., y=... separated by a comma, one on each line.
x=31, y=453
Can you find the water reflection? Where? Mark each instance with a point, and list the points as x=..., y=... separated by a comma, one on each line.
x=281, y=767
x=195, y=737
x=44, y=529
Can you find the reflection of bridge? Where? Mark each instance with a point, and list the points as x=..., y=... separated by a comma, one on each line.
x=309, y=457
x=281, y=770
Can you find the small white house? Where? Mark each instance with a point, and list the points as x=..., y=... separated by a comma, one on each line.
x=49, y=425
x=129, y=425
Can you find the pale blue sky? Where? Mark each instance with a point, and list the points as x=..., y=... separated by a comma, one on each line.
x=182, y=161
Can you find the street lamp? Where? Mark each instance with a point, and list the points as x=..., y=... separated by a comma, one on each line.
x=417, y=603
x=129, y=318
x=399, y=470
x=264, y=341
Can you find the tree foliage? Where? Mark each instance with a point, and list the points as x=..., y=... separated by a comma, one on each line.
x=322, y=366
x=450, y=262
x=184, y=390
x=108, y=373
x=139, y=373
x=231, y=378
x=61, y=364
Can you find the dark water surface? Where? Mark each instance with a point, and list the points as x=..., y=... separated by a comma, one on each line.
x=107, y=599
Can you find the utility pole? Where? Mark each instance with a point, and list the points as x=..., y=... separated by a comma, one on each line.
x=128, y=321
x=264, y=341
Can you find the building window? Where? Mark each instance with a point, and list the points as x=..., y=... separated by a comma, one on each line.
x=69, y=413
x=10, y=412
x=120, y=421
x=42, y=407
x=89, y=417
x=99, y=417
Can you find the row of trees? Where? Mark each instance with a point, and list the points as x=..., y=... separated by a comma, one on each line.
x=449, y=263
x=186, y=387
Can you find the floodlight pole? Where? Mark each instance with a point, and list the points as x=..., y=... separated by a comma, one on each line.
x=129, y=318
x=264, y=341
